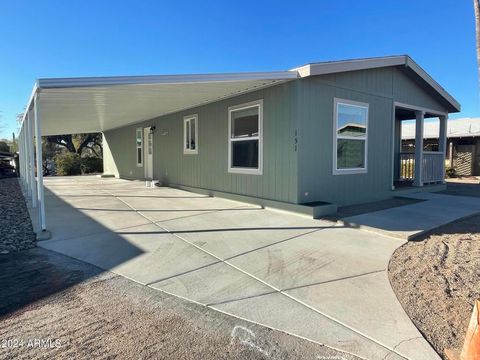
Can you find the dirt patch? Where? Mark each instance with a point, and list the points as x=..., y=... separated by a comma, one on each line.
x=81, y=312
x=436, y=279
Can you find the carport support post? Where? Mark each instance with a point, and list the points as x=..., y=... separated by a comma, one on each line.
x=20, y=154
x=27, y=154
x=31, y=159
x=38, y=142
x=418, y=180
x=442, y=139
x=24, y=151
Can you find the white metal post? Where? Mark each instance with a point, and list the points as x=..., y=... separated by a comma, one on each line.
x=20, y=155
x=418, y=180
x=31, y=159
x=38, y=141
x=24, y=157
x=442, y=140
x=28, y=179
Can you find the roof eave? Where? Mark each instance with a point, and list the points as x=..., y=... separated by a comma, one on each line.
x=410, y=63
x=372, y=63
x=164, y=79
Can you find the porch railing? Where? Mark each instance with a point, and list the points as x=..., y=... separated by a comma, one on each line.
x=407, y=166
x=433, y=170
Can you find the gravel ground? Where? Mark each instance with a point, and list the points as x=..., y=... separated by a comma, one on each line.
x=81, y=312
x=436, y=278
x=16, y=232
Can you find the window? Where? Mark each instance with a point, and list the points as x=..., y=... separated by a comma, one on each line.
x=350, y=138
x=245, y=139
x=139, y=146
x=190, y=134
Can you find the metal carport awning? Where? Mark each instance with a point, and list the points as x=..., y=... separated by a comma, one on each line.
x=96, y=104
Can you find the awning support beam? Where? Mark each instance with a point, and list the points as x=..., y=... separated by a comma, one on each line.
x=31, y=159
x=38, y=141
x=418, y=178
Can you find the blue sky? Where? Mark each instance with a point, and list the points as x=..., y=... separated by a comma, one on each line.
x=87, y=38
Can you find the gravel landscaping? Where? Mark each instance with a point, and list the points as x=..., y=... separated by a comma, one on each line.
x=436, y=278
x=16, y=232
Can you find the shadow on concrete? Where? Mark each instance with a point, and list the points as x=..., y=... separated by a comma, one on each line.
x=31, y=275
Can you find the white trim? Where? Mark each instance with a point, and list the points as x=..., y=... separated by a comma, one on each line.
x=329, y=67
x=419, y=108
x=335, y=170
x=251, y=171
x=187, y=119
x=137, y=130
x=164, y=79
x=147, y=160
x=431, y=81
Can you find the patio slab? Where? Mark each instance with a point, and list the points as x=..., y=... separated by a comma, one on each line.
x=288, y=272
x=145, y=253
x=365, y=300
x=236, y=231
x=321, y=256
x=410, y=221
x=281, y=312
x=214, y=284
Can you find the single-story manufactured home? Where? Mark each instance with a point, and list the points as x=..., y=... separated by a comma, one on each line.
x=317, y=136
x=463, y=143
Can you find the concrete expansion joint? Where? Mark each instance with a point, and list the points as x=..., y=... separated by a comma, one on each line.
x=275, y=289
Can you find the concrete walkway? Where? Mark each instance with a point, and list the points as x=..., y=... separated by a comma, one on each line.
x=410, y=221
x=306, y=277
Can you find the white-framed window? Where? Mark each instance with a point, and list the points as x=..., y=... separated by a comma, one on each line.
x=190, y=134
x=245, y=138
x=350, y=137
x=139, y=146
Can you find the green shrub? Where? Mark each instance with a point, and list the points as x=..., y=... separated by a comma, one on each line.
x=451, y=172
x=91, y=165
x=68, y=163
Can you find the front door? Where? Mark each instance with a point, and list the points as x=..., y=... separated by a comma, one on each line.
x=148, y=151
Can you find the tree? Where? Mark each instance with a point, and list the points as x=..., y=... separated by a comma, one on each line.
x=78, y=143
x=81, y=144
x=476, y=6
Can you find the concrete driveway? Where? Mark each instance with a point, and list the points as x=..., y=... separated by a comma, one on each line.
x=306, y=277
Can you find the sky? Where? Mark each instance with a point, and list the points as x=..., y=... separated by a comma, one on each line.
x=105, y=38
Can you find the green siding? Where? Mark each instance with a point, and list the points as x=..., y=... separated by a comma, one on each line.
x=120, y=158
x=303, y=107
x=409, y=91
x=377, y=87
x=316, y=179
x=209, y=169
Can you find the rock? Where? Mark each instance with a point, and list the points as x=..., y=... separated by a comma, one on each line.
x=16, y=231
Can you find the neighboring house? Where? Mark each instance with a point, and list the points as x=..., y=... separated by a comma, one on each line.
x=463, y=143
x=321, y=133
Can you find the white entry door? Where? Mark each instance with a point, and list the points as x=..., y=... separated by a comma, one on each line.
x=148, y=151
